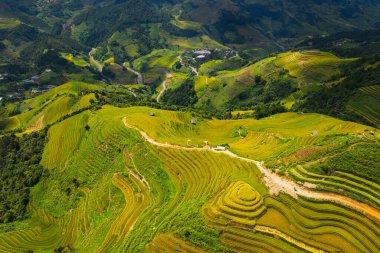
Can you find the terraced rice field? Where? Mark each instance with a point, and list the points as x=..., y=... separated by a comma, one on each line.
x=171, y=243
x=38, y=112
x=365, y=103
x=238, y=203
x=346, y=182
x=229, y=84
x=322, y=225
x=310, y=66
x=267, y=138
x=129, y=195
x=195, y=42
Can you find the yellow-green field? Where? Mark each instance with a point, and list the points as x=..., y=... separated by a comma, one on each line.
x=49, y=107
x=194, y=42
x=186, y=25
x=266, y=138
x=229, y=84
x=127, y=195
x=310, y=67
x=79, y=61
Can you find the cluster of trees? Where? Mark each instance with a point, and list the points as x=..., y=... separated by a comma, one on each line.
x=364, y=157
x=20, y=169
x=176, y=31
x=184, y=95
x=360, y=43
x=332, y=101
x=264, y=97
x=97, y=23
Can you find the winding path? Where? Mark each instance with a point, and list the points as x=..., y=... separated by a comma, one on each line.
x=162, y=91
x=97, y=64
x=276, y=183
x=193, y=69
x=140, y=79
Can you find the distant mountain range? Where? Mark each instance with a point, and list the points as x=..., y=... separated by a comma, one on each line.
x=273, y=24
x=36, y=35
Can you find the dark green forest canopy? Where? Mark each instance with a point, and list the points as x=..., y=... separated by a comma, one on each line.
x=19, y=170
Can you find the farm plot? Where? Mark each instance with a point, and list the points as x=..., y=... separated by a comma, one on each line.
x=106, y=189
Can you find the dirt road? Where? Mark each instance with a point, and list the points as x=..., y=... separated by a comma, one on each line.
x=140, y=79
x=162, y=91
x=277, y=183
x=193, y=69
x=97, y=64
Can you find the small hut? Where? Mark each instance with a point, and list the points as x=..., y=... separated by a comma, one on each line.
x=152, y=114
x=314, y=133
x=193, y=121
x=219, y=148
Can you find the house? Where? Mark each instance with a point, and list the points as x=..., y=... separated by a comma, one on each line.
x=193, y=121
x=202, y=51
x=152, y=114
x=219, y=148
x=314, y=133
x=49, y=87
x=35, y=79
x=36, y=91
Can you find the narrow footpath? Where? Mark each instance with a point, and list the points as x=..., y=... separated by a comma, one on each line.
x=97, y=64
x=140, y=78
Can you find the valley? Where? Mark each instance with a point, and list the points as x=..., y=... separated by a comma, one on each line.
x=189, y=126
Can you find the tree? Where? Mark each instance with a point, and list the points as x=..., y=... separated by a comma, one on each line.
x=3, y=113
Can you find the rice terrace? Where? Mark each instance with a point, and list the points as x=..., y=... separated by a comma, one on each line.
x=189, y=126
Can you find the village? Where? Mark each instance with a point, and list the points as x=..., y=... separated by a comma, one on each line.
x=197, y=57
x=31, y=86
